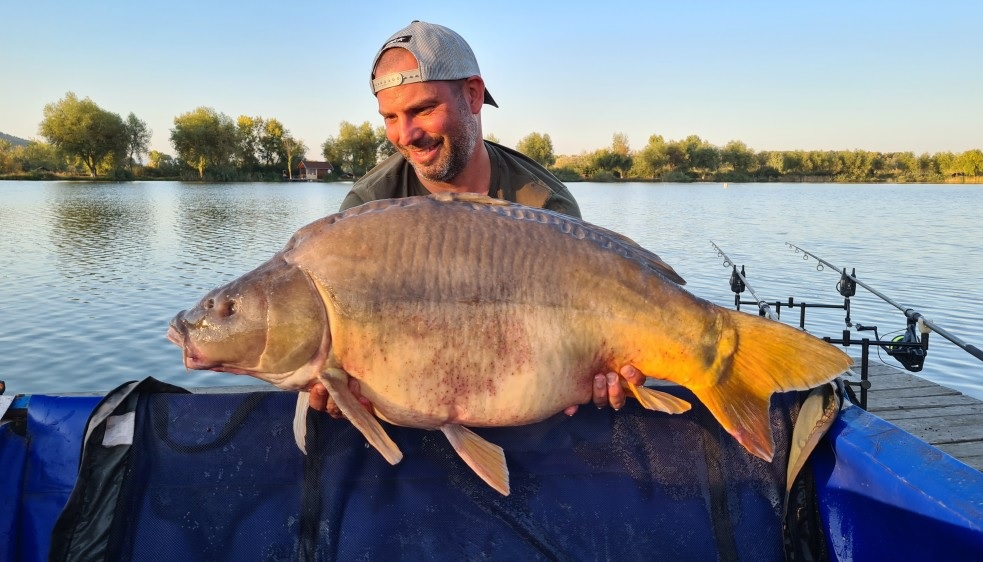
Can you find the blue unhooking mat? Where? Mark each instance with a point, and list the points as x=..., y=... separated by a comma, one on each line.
x=169, y=475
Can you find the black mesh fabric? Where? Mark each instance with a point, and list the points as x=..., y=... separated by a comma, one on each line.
x=218, y=477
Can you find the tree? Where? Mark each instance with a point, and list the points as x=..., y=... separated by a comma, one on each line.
x=946, y=162
x=619, y=144
x=294, y=150
x=40, y=156
x=204, y=138
x=904, y=166
x=6, y=156
x=250, y=129
x=356, y=149
x=738, y=156
x=615, y=161
x=137, y=138
x=82, y=129
x=677, y=158
x=271, y=143
x=970, y=163
x=793, y=162
x=653, y=160
x=162, y=164
x=539, y=147
x=702, y=157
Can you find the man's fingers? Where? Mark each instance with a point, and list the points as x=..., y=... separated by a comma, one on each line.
x=608, y=390
x=633, y=375
x=600, y=390
x=318, y=397
x=616, y=394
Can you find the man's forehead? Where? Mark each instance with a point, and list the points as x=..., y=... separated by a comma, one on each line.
x=408, y=97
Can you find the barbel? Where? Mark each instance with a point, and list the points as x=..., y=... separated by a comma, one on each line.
x=909, y=313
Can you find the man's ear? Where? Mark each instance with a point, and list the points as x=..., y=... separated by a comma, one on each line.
x=474, y=91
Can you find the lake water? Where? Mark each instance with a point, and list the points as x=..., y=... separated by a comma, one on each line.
x=91, y=273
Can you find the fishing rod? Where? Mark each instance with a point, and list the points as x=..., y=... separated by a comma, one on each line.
x=739, y=282
x=913, y=316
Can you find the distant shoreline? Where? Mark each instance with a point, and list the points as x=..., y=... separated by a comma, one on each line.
x=970, y=180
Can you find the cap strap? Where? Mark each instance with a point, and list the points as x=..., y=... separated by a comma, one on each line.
x=397, y=78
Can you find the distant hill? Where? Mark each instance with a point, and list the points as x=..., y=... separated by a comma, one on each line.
x=16, y=141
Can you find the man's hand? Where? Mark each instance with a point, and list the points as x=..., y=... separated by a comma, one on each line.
x=321, y=401
x=607, y=391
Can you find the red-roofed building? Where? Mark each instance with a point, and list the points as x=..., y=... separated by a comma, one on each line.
x=312, y=171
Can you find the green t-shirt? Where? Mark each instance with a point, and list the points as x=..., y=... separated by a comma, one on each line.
x=514, y=177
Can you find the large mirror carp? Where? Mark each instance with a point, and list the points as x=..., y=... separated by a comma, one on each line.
x=457, y=311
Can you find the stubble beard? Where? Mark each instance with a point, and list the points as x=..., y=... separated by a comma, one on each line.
x=458, y=145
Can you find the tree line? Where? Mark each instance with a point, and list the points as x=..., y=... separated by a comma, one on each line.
x=83, y=138
x=694, y=159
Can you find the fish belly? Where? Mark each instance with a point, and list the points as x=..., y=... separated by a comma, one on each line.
x=475, y=364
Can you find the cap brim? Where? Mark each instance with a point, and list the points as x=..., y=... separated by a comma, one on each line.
x=489, y=100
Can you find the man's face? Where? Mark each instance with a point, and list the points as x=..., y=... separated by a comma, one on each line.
x=431, y=124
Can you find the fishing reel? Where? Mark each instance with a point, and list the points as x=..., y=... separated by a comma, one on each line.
x=912, y=354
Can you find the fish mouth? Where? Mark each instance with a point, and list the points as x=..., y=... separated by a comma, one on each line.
x=193, y=359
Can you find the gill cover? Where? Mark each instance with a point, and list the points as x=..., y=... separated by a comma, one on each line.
x=270, y=320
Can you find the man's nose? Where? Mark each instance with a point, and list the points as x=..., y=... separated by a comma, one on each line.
x=407, y=131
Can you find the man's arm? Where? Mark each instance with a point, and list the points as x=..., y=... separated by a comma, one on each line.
x=351, y=200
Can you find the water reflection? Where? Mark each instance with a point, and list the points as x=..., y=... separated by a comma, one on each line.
x=91, y=273
x=99, y=232
x=225, y=230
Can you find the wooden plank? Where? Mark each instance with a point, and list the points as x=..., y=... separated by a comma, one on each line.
x=896, y=379
x=942, y=411
x=940, y=416
x=877, y=404
x=972, y=462
x=901, y=381
x=876, y=369
x=892, y=393
x=944, y=429
x=966, y=449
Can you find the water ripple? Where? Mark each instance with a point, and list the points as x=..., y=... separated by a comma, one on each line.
x=90, y=274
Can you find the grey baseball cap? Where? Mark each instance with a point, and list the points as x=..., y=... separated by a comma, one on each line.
x=441, y=54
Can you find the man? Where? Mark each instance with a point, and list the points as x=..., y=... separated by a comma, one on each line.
x=430, y=94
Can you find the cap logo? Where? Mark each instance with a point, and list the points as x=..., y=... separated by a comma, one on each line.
x=395, y=40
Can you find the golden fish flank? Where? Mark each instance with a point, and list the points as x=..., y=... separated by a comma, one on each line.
x=496, y=315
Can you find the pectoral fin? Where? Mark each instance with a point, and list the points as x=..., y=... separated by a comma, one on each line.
x=336, y=381
x=656, y=400
x=300, y=420
x=486, y=459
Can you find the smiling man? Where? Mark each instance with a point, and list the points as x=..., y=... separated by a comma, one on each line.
x=430, y=93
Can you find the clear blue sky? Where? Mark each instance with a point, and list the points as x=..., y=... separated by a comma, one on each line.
x=883, y=76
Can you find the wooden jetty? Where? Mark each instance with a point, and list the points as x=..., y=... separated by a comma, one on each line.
x=945, y=418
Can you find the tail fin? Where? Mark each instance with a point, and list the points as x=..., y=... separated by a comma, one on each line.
x=770, y=357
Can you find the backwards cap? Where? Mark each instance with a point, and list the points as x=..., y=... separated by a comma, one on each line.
x=441, y=54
